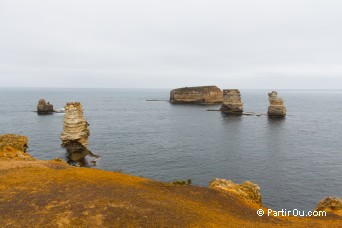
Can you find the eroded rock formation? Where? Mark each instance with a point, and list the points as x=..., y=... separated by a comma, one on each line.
x=75, y=133
x=44, y=107
x=196, y=95
x=232, y=103
x=330, y=205
x=276, y=107
x=14, y=146
x=247, y=190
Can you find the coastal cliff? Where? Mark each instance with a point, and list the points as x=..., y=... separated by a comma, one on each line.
x=196, y=95
x=54, y=194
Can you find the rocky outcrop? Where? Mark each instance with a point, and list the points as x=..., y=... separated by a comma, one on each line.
x=247, y=190
x=196, y=95
x=232, y=103
x=75, y=133
x=276, y=107
x=44, y=107
x=330, y=205
x=14, y=146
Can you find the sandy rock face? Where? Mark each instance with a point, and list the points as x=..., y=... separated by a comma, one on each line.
x=330, y=204
x=276, y=107
x=75, y=135
x=44, y=107
x=247, y=190
x=196, y=95
x=14, y=146
x=75, y=125
x=232, y=103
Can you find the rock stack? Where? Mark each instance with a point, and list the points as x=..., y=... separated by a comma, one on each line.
x=44, y=107
x=276, y=108
x=75, y=133
x=196, y=95
x=232, y=103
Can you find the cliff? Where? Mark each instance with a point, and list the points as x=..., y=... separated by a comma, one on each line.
x=54, y=194
x=276, y=107
x=232, y=103
x=196, y=95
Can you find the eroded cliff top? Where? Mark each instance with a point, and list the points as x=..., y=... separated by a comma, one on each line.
x=54, y=194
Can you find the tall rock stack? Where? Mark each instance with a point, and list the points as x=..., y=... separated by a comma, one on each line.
x=75, y=133
x=276, y=108
x=232, y=103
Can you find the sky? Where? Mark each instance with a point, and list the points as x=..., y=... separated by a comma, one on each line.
x=244, y=44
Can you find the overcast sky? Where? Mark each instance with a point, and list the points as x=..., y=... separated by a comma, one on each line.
x=273, y=44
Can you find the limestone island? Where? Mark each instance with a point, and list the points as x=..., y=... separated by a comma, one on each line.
x=276, y=107
x=197, y=95
x=36, y=193
x=44, y=107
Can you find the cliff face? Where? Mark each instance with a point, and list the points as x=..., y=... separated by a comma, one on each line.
x=232, y=103
x=276, y=107
x=196, y=95
x=75, y=134
x=14, y=146
x=44, y=107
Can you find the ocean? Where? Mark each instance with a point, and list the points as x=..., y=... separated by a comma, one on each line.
x=296, y=161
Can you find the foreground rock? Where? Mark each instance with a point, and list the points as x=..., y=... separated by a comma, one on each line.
x=276, y=107
x=196, y=95
x=44, y=107
x=247, y=190
x=232, y=103
x=75, y=134
x=14, y=146
x=330, y=204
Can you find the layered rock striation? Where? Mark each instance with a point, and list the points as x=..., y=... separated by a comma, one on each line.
x=44, y=107
x=75, y=133
x=14, y=146
x=232, y=103
x=276, y=107
x=247, y=190
x=196, y=95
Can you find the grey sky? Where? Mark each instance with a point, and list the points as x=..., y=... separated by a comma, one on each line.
x=270, y=44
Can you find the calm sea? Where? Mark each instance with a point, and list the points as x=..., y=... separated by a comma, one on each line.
x=296, y=161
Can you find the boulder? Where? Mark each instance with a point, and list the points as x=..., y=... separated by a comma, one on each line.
x=330, y=205
x=247, y=190
x=276, y=107
x=196, y=95
x=44, y=107
x=232, y=103
x=14, y=146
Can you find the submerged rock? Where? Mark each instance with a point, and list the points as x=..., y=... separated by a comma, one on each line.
x=232, y=103
x=14, y=146
x=75, y=133
x=44, y=107
x=196, y=95
x=276, y=107
x=330, y=204
x=246, y=190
